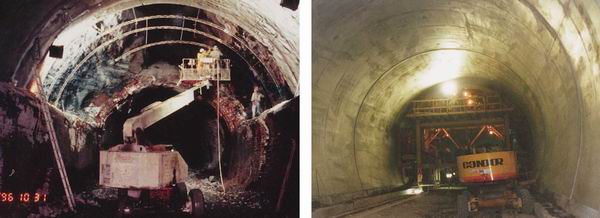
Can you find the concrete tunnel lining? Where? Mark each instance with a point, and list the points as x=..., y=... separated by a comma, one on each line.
x=549, y=62
x=368, y=127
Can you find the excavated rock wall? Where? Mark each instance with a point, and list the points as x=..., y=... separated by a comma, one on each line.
x=26, y=149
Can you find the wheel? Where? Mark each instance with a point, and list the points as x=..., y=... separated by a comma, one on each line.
x=181, y=190
x=462, y=206
x=197, y=202
x=123, y=210
x=527, y=200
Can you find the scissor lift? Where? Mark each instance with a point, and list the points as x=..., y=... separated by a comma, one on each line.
x=194, y=70
x=159, y=170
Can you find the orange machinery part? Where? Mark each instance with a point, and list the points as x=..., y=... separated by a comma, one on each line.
x=487, y=167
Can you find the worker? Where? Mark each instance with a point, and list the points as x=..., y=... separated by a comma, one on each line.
x=255, y=99
x=201, y=55
x=215, y=53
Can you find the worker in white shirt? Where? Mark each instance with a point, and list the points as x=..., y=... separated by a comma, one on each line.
x=215, y=53
x=256, y=98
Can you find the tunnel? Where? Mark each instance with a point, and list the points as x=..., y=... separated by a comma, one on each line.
x=373, y=59
x=96, y=64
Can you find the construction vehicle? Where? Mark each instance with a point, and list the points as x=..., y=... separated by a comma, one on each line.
x=485, y=162
x=491, y=180
x=152, y=177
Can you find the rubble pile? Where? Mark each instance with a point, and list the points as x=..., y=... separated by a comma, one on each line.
x=233, y=201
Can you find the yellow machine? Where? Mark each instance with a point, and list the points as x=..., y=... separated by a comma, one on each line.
x=491, y=181
x=484, y=147
x=487, y=167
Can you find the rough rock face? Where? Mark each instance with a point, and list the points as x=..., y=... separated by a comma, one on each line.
x=25, y=145
x=262, y=33
x=266, y=147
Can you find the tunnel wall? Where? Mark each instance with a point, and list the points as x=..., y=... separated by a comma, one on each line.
x=24, y=137
x=274, y=26
x=365, y=71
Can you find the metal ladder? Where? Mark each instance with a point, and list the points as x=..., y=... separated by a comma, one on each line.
x=55, y=147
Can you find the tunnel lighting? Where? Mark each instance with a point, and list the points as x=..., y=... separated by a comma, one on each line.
x=33, y=88
x=417, y=191
x=413, y=191
x=46, y=65
x=77, y=35
x=557, y=12
x=491, y=132
x=448, y=175
x=449, y=88
x=571, y=39
x=443, y=66
x=82, y=30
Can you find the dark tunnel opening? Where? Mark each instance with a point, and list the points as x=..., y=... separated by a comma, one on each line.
x=191, y=130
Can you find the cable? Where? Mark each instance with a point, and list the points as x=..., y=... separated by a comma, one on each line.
x=219, y=126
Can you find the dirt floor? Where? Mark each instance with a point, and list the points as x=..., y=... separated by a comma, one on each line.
x=96, y=201
x=435, y=204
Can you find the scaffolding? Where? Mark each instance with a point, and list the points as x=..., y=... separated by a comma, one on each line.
x=458, y=106
x=204, y=68
x=434, y=119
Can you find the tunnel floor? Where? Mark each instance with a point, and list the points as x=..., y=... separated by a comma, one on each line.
x=441, y=203
x=97, y=201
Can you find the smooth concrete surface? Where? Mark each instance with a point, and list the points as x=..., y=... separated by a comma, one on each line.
x=371, y=57
x=360, y=204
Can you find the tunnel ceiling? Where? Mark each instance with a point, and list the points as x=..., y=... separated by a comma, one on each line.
x=545, y=53
x=115, y=48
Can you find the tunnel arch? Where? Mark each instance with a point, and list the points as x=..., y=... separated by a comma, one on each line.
x=392, y=82
x=277, y=36
x=365, y=71
x=259, y=37
x=402, y=130
x=190, y=130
